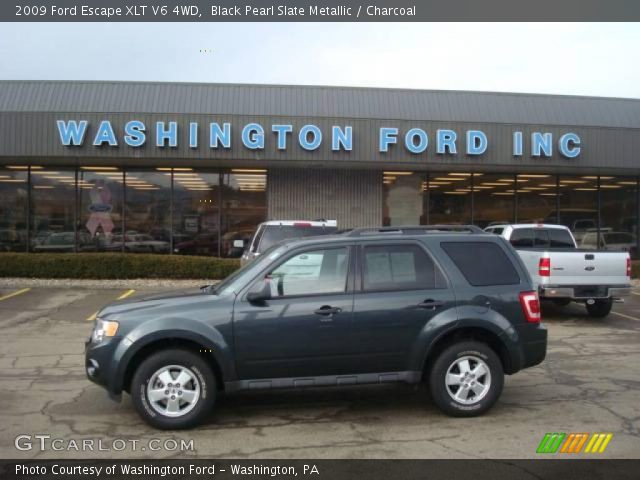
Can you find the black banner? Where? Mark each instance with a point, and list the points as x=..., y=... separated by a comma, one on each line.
x=542, y=469
x=318, y=10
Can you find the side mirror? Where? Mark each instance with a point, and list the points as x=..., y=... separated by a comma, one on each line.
x=259, y=296
x=238, y=244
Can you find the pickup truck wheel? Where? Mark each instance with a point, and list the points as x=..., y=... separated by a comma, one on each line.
x=600, y=308
x=466, y=379
x=173, y=389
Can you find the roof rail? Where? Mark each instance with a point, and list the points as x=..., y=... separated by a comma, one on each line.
x=415, y=229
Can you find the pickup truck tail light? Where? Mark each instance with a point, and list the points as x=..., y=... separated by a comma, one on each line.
x=544, y=267
x=530, y=304
x=628, y=267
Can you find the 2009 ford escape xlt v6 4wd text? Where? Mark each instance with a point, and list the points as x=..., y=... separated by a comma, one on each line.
x=451, y=306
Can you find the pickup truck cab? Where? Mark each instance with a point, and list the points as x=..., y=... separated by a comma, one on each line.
x=563, y=273
x=269, y=233
x=407, y=304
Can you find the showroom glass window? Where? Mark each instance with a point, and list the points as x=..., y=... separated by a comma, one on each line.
x=196, y=212
x=449, y=198
x=244, y=207
x=100, y=201
x=147, y=212
x=618, y=215
x=14, y=201
x=578, y=201
x=537, y=196
x=404, y=201
x=53, y=209
x=493, y=199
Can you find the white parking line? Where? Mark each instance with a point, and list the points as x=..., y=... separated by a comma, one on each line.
x=626, y=316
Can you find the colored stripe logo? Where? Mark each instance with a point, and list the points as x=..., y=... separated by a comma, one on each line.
x=574, y=443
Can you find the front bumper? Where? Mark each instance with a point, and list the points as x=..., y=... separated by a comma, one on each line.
x=585, y=292
x=98, y=363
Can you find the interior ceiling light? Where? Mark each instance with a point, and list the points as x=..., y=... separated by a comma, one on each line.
x=532, y=175
x=248, y=170
x=398, y=173
x=99, y=169
x=577, y=182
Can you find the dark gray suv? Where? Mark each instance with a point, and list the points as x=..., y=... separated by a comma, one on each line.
x=451, y=306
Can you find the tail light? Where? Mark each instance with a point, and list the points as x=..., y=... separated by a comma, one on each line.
x=544, y=267
x=301, y=224
x=530, y=304
x=628, y=267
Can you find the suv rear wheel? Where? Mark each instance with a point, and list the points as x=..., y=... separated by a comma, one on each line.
x=466, y=379
x=173, y=389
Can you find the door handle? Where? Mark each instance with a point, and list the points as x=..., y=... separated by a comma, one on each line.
x=430, y=304
x=327, y=310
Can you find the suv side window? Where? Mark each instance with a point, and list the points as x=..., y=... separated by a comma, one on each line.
x=522, y=238
x=314, y=272
x=399, y=267
x=482, y=263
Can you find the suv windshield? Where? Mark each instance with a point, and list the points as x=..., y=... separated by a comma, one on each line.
x=275, y=233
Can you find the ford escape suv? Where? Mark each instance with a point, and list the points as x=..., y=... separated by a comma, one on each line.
x=450, y=306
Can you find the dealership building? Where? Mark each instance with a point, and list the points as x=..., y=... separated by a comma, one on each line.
x=189, y=168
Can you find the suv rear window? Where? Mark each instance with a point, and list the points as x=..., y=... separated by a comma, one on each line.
x=273, y=234
x=482, y=263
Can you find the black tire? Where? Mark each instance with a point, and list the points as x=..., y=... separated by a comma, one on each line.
x=438, y=374
x=183, y=358
x=600, y=308
x=561, y=302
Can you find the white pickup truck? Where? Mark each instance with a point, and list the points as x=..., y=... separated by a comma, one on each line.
x=564, y=273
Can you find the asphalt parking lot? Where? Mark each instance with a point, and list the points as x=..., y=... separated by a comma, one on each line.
x=590, y=382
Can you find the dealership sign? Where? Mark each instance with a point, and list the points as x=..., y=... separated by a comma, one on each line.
x=309, y=137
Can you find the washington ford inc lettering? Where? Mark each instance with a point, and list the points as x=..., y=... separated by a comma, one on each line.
x=310, y=137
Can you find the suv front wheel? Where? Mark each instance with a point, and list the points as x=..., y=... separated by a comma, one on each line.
x=173, y=389
x=466, y=379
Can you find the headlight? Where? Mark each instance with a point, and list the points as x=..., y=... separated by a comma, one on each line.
x=103, y=329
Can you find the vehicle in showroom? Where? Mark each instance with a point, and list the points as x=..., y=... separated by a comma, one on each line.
x=564, y=273
x=274, y=231
x=610, y=239
x=391, y=304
